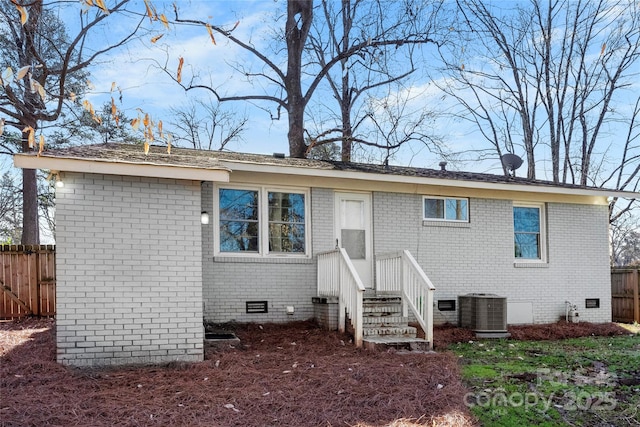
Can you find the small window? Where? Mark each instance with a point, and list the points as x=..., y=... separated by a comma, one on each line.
x=528, y=232
x=446, y=209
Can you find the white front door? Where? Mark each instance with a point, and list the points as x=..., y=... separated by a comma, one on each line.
x=353, y=231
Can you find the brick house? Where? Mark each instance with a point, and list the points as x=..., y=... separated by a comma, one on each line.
x=139, y=266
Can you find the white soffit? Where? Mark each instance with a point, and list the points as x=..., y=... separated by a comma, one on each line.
x=113, y=167
x=404, y=179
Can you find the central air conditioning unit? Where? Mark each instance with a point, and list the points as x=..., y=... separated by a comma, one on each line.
x=485, y=314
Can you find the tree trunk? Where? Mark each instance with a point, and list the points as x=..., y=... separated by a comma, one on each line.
x=30, y=226
x=347, y=133
x=297, y=146
x=345, y=105
x=299, y=15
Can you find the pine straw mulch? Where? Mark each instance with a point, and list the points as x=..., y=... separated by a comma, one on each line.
x=444, y=335
x=280, y=375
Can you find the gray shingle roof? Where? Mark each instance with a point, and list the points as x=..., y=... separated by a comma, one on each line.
x=190, y=158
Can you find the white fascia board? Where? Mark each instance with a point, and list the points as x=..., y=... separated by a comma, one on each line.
x=109, y=167
x=403, y=179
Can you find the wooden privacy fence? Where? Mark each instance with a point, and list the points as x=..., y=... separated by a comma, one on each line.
x=625, y=302
x=27, y=281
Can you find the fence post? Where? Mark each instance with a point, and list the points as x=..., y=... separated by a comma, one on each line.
x=636, y=298
x=32, y=270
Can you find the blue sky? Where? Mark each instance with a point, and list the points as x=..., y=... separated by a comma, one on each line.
x=150, y=89
x=147, y=88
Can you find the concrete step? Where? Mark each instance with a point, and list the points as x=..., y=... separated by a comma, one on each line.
x=382, y=299
x=399, y=343
x=395, y=331
x=381, y=309
x=377, y=320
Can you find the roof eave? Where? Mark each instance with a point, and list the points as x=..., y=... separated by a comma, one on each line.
x=117, y=167
x=444, y=182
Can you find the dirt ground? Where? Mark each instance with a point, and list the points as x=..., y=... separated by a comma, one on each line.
x=279, y=375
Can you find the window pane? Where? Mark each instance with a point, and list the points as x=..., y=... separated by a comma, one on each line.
x=286, y=222
x=527, y=245
x=239, y=236
x=286, y=238
x=457, y=210
x=354, y=242
x=238, y=204
x=286, y=207
x=434, y=208
x=239, y=231
x=526, y=219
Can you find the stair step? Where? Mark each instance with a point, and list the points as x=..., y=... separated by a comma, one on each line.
x=382, y=299
x=400, y=343
x=382, y=308
x=396, y=331
x=374, y=320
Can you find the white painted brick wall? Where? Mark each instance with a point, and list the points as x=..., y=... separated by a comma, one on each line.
x=129, y=279
x=230, y=282
x=479, y=257
x=459, y=259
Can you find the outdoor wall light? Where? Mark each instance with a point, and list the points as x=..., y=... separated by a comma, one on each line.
x=204, y=217
x=55, y=175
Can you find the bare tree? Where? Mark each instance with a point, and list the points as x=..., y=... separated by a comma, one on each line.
x=545, y=78
x=284, y=85
x=625, y=171
x=358, y=80
x=52, y=66
x=398, y=119
x=10, y=209
x=206, y=126
x=625, y=241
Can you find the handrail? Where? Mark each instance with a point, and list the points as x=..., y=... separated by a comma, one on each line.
x=400, y=272
x=337, y=277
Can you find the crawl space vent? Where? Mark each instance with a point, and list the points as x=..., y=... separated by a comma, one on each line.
x=447, y=305
x=255, y=307
x=592, y=303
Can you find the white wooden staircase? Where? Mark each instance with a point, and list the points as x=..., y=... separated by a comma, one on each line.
x=380, y=318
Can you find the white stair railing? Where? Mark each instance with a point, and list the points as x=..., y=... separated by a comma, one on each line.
x=337, y=277
x=399, y=272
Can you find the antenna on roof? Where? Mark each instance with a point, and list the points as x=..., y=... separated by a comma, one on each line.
x=511, y=162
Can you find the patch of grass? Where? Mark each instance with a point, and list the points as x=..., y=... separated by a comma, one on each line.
x=580, y=381
x=478, y=372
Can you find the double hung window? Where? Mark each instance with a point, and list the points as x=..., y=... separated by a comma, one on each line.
x=529, y=232
x=262, y=221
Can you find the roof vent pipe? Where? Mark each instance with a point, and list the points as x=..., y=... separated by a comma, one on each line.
x=443, y=166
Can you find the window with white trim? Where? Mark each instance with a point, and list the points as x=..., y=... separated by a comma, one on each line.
x=445, y=209
x=529, y=232
x=261, y=221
